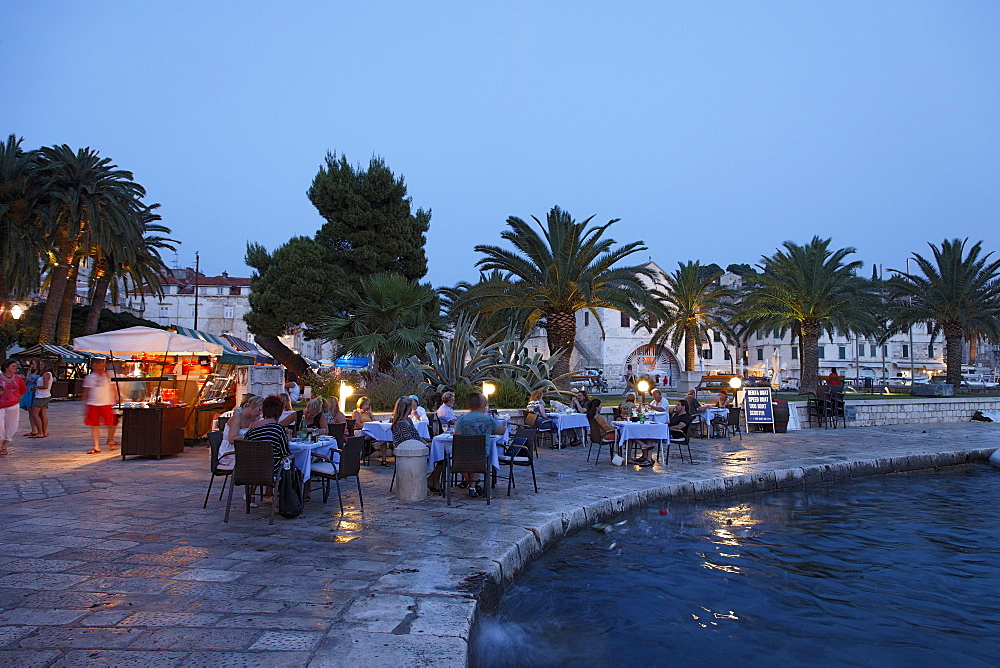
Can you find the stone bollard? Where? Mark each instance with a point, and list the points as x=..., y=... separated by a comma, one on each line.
x=411, y=471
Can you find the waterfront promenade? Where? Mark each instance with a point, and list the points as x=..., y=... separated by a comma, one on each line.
x=108, y=562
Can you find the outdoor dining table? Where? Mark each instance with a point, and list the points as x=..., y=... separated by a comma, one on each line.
x=565, y=421
x=628, y=431
x=712, y=413
x=441, y=448
x=302, y=452
x=382, y=431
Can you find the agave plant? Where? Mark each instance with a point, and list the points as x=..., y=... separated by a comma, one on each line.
x=462, y=359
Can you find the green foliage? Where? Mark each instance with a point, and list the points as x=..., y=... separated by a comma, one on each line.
x=290, y=286
x=369, y=228
x=810, y=289
x=385, y=388
x=460, y=359
x=689, y=304
x=327, y=383
x=462, y=393
x=958, y=292
x=741, y=270
x=509, y=394
x=555, y=271
x=29, y=326
x=394, y=317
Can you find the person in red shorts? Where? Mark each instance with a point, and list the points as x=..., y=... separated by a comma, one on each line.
x=99, y=395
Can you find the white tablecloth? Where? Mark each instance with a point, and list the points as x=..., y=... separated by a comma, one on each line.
x=568, y=421
x=711, y=413
x=302, y=453
x=658, y=416
x=628, y=431
x=382, y=431
x=441, y=445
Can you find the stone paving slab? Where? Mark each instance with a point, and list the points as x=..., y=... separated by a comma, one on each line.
x=111, y=562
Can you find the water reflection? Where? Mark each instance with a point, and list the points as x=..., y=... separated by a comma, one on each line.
x=895, y=571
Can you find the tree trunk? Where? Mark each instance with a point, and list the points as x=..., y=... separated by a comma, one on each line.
x=64, y=325
x=973, y=347
x=57, y=287
x=282, y=354
x=954, y=336
x=101, y=286
x=810, y=357
x=689, y=350
x=560, y=331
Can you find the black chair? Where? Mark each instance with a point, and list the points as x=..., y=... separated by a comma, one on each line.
x=816, y=407
x=518, y=453
x=350, y=467
x=254, y=468
x=734, y=424
x=835, y=406
x=531, y=422
x=600, y=437
x=434, y=425
x=214, y=443
x=468, y=455
x=339, y=432
x=679, y=437
x=221, y=421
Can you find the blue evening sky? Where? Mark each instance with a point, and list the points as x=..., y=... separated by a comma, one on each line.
x=714, y=130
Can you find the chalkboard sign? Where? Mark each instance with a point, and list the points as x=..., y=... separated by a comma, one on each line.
x=756, y=405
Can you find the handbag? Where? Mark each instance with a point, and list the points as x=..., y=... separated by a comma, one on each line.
x=291, y=495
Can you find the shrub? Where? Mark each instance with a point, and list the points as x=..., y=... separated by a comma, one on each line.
x=509, y=394
x=385, y=388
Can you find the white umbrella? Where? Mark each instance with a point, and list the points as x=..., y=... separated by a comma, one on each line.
x=134, y=340
x=776, y=369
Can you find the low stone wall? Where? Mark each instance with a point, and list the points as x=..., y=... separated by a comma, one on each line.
x=883, y=412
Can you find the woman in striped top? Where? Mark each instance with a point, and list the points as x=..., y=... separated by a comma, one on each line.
x=268, y=429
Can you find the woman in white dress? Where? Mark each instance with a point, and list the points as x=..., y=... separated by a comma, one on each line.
x=236, y=427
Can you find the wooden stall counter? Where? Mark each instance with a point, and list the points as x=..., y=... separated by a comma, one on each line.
x=153, y=431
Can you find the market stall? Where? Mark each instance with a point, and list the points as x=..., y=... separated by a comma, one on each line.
x=170, y=387
x=68, y=367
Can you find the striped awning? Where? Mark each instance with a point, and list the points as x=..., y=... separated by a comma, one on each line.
x=47, y=350
x=249, y=350
x=206, y=337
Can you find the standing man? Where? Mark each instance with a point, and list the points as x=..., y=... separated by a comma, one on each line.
x=477, y=423
x=99, y=395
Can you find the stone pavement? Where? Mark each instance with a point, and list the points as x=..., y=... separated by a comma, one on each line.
x=107, y=562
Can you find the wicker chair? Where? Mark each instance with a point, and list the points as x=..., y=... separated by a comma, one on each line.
x=350, y=467
x=600, y=438
x=468, y=455
x=214, y=443
x=254, y=467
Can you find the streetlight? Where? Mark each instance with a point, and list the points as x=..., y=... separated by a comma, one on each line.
x=910, y=302
x=736, y=383
x=488, y=389
x=16, y=311
x=643, y=387
x=345, y=392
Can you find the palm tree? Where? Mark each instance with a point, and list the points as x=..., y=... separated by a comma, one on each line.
x=809, y=290
x=20, y=240
x=85, y=201
x=689, y=303
x=566, y=268
x=136, y=261
x=395, y=317
x=957, y=291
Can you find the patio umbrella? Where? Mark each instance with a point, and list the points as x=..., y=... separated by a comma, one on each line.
x=135, y=340
x=776, y=368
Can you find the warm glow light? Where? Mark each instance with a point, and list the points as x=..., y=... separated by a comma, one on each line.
x=488, y=389
x=345, y=392
x=642, y=386
x=16, y=311
x=736, y=382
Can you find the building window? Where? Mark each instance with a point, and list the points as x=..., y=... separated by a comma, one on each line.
x=586, y=318
x=218, y=291
x=906, y=350
x=777, y=333
x=885, y=351
x=760, y=354
x=821, y=352
x=930, y=328
x=626, y=322
x=228, y=312
x=930, y=350
x=842, y=352
x=725, y=354
x=706, y=353
x=653, y=323
x=795, y=352
x=874, y=350
x=717, y=337
x=164, y=311
x=760, y=333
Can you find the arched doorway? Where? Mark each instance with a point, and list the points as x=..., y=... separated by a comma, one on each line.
x=657, y=363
